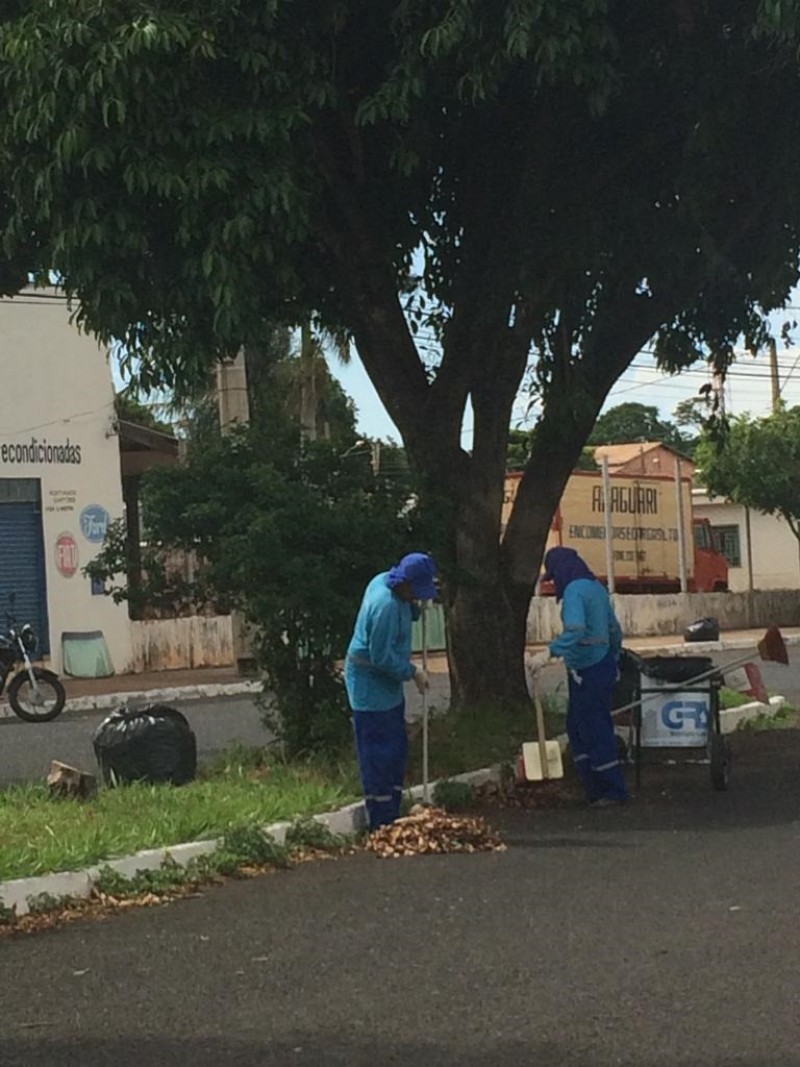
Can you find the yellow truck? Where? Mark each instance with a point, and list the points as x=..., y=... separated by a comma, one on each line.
x=645, y=543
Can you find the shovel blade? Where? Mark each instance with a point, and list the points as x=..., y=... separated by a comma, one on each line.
x=533, y=765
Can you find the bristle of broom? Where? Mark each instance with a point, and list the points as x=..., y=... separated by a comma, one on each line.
x=772, y=647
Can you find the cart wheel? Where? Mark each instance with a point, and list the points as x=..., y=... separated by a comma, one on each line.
x=720, y=755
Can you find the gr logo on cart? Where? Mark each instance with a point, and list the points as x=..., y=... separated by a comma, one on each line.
x=677, y=714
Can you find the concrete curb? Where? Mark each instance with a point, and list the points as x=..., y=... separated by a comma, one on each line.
x=19, y=893
x=732, y=718
x=699, y=648
x=109, y=701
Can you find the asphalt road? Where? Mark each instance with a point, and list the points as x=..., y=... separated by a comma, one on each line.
x=664, y=934
x=27, y=749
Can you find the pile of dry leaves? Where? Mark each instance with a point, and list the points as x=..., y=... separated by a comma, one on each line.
x=426, y=831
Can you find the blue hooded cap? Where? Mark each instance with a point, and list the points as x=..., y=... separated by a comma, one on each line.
x=562, y=566
x=419, y=570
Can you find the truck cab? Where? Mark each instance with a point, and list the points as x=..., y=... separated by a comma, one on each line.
x=710, y=566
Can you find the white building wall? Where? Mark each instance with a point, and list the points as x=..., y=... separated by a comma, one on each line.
x=57, y=393
x=774, y=549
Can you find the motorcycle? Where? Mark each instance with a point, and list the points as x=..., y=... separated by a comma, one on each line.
x=34, y=693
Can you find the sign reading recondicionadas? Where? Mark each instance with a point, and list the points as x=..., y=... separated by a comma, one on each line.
x=41, y=452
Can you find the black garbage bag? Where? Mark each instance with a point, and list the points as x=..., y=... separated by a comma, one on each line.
x=702, y=630
x=150, y=744
x=676, y=669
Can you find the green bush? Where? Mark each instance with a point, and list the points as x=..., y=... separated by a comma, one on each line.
x=290, y=532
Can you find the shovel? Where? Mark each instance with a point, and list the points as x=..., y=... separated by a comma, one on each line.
x=541, y=759
x=425, y=777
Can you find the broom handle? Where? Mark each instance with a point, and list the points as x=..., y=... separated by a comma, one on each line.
x=424, y=621
x=540, y=727
x=678, y=686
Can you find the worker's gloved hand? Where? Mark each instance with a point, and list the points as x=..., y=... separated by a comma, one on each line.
x=421, y=680
x=535, y=663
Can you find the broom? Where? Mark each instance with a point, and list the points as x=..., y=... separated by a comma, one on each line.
x=771, y=649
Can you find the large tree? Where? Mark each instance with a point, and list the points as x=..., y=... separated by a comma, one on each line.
x=633, y=421
x=517, y=185
x=756, y=462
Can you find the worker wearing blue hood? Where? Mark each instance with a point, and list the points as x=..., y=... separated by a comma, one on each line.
x=590, y=646
x=378, y=663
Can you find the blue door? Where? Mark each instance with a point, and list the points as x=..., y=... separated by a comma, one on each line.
x=22, y=556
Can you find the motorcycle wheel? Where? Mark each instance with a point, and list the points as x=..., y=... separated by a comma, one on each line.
x=23, y=699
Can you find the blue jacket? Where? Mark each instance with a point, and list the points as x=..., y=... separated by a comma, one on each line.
x=379, y=656
x=591, y=628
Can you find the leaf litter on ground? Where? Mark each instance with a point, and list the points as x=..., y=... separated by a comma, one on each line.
x=432, y=831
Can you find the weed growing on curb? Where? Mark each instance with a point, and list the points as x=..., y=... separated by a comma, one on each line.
x=44, y=903
x=308, y=833
x=453, y=796
x=783, y=719
x=8, y=916
x=251, y=845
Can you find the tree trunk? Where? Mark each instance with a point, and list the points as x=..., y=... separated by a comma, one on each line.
x=485, y=350
x=485, y=645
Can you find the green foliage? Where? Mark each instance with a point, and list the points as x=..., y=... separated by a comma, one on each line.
x=251, y=844
x=309, y=833
x=162, y=590
x=399, y=171
x=631, y=422
x=785, y=718
x=729, y=698
x=38, y=835
x=520, y=446
x=453, y=796
x=756, y=462
x=43, y=903
x=130, y=409
x=172, y=160
x=291, y=532
x=8, y=916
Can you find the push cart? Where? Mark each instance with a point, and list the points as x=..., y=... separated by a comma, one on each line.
x=677, y=707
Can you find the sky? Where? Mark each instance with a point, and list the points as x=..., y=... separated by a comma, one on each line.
x=747, y=388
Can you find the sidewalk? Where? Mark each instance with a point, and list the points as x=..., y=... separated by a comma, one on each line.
x=88, y=694
x=101, y=694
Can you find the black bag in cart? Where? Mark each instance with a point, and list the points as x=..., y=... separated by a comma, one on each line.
x=151, y=744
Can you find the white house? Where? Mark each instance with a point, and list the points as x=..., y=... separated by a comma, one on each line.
x=761, y=550
x=60, y=482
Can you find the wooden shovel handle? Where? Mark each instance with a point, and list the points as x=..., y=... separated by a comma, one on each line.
x=540, y=733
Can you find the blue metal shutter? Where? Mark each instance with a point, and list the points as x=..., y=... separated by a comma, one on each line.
x=22, y=568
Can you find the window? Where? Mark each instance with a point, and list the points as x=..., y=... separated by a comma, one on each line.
x=727, y=541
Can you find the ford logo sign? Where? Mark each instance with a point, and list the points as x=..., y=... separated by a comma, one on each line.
x=94, y=523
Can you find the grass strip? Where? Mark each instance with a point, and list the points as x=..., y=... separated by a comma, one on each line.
x=243, y=786
x=40, y=835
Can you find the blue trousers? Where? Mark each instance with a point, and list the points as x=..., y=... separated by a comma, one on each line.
x=382, y=746
x=591, y=731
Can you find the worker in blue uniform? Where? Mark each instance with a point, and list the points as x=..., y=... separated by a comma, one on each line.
x=590, y=646
x=378, y=663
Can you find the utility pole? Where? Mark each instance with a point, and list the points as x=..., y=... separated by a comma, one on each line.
x=232, y=399
x=773, y=370
x=609, y=527
x=234, y=408
x=682, y=560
